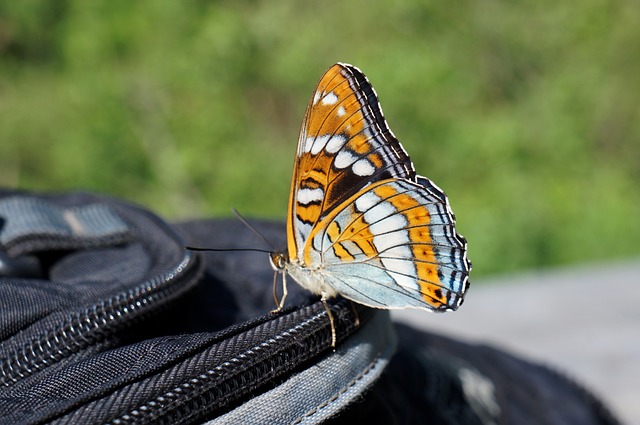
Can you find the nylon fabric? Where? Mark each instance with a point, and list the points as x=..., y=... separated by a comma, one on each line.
x=138, y=330
x=326, y=388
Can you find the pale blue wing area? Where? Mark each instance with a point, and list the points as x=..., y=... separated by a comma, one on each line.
x=371, y=286
x=452, y=273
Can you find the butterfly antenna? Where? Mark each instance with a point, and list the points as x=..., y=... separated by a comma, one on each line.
x=253, y=229
x=196, y=248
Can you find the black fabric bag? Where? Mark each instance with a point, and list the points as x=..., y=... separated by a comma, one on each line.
x=106, y=318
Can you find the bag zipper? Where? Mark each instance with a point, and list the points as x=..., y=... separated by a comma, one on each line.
x=96, y=322
x=225, y=384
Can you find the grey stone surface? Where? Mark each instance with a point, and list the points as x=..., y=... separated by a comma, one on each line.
x=583, y=322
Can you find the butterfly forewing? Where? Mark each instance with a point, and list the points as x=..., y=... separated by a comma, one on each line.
x=344, y=145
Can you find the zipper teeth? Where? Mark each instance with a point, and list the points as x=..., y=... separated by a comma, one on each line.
x=197, y=394
x=89, y=326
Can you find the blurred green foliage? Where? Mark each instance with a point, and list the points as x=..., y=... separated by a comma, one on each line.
x=526, y=113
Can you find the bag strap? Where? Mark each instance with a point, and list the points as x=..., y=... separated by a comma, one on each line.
x=29, y=224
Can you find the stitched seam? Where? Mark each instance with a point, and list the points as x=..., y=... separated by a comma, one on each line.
x=341, y=392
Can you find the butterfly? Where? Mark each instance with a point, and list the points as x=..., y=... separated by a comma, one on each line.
x=360, y=222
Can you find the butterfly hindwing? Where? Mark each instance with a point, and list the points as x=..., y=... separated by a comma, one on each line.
x=393, y=245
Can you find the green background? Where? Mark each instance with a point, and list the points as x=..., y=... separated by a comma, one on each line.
x=526, y=113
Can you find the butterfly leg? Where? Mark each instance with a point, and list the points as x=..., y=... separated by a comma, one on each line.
x=330, y=315
x=356, y=322
x=284, y=290
x=275, y=292
x=280, y=303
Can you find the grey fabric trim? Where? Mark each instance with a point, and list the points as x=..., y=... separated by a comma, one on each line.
x=327, y=387
x=22, y=217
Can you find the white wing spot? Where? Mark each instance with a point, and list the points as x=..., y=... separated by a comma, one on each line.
x=308, y=144
x=391, y=223
x=319, y=144
x=303, y=232
x=341, y=111
x=330, y=99
x=344, y=159
x=377, y=211
x=335, y=143
x=316, y=97
x=403, y=271
x=394, y=241
x=307, y=196
x=363, y=167
x=366, y=202
x=397, y=260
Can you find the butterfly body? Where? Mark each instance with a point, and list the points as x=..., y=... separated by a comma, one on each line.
x=361, y=223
